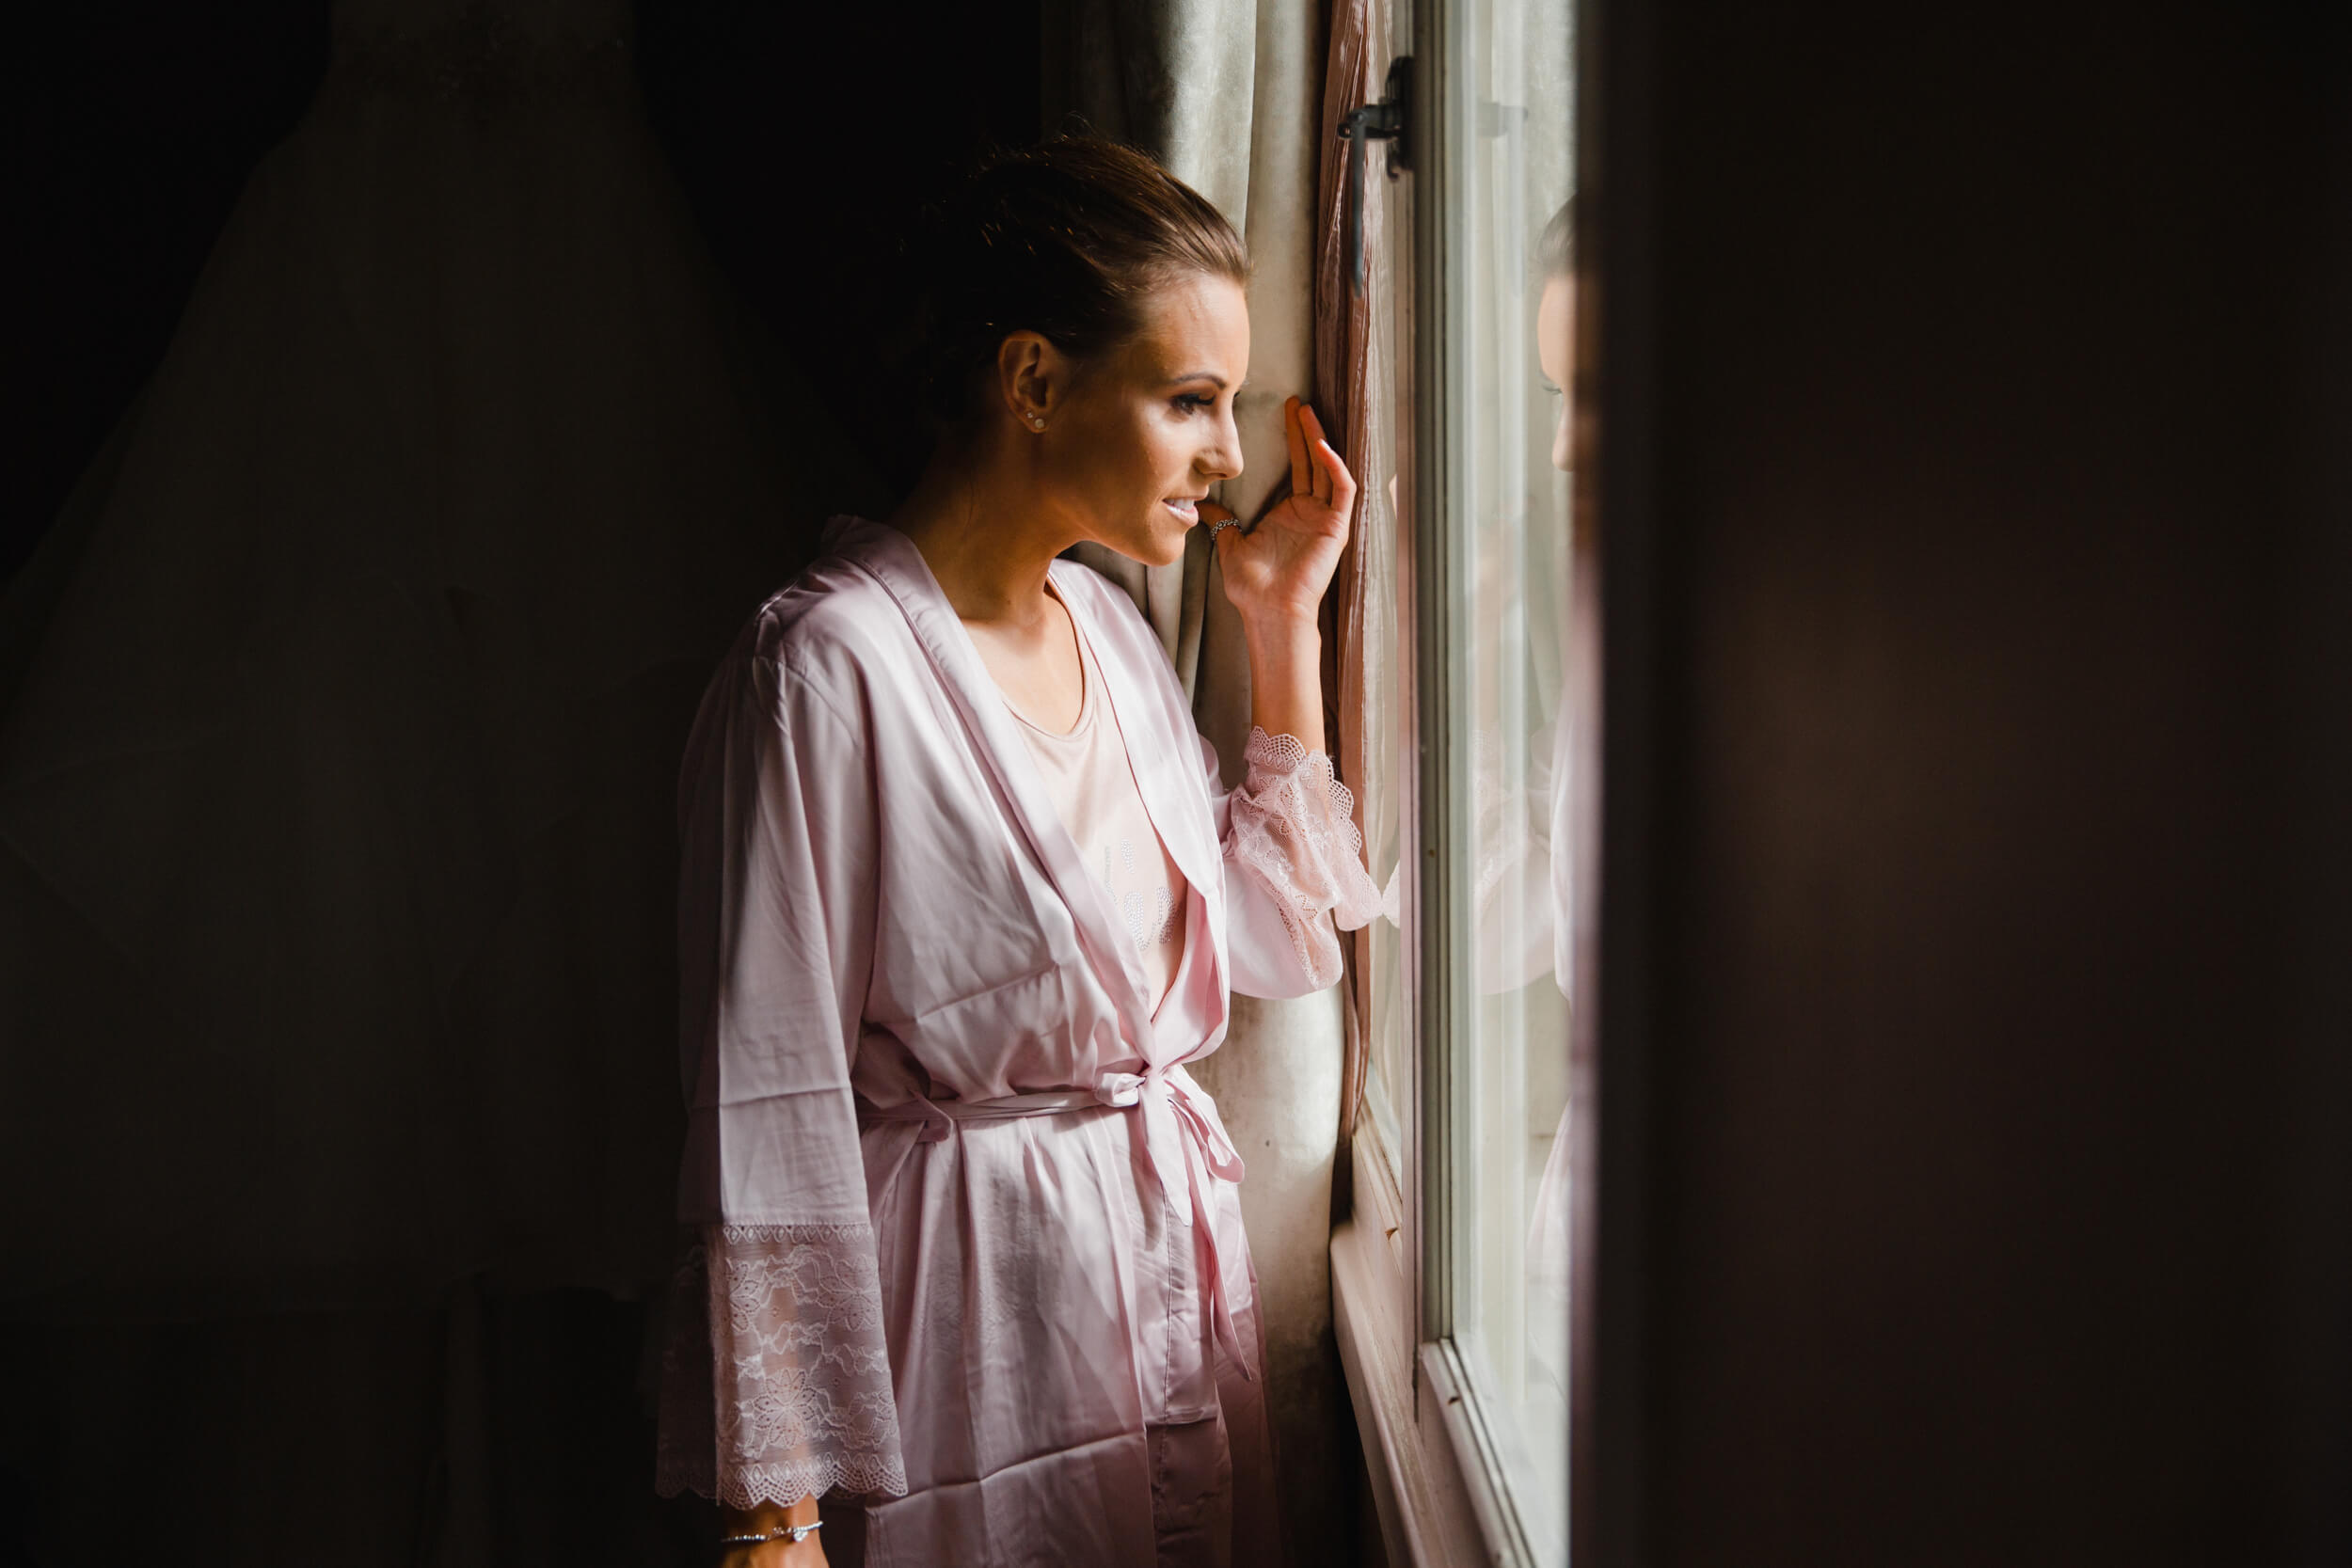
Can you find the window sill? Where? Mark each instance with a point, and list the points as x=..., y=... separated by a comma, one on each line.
x=1427, y=1518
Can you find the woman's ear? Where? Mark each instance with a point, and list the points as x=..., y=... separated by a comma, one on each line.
x=1031, y=376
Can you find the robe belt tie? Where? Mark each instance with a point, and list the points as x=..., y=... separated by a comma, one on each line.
x=1169, y=1085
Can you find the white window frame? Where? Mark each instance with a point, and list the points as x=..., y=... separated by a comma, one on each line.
x=1439, y=1482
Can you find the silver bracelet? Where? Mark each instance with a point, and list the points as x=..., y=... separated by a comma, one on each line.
x=794, y=1533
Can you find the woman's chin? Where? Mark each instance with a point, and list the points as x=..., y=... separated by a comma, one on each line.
x=1160, y=546
x=1153, y=542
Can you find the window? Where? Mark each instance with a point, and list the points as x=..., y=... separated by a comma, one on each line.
x=1496, y=1030
x=1453, y=1275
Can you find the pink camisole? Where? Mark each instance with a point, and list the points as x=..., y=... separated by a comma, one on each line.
x=1094, y=789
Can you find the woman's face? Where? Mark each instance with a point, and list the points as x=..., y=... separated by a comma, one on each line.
x=1134, y=439
x=1555, y=351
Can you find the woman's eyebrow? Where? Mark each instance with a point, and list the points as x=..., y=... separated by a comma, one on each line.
x=1199, y=376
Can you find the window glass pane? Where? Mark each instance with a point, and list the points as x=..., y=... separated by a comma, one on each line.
x=1509, y=175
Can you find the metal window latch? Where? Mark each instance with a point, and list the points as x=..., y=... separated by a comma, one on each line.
x=1389, y=120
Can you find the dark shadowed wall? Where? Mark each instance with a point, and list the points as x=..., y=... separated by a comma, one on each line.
x=1974, y=1010
x=798, y=132
x=131, y=126
x=506, y=1412
x=804, y=135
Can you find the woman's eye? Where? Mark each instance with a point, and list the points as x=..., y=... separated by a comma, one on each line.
x=1193, y=401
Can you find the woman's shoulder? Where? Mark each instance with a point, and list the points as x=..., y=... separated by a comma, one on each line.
x=832, y=624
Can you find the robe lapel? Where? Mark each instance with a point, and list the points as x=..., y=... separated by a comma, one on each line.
x=1163, y=745
x=892, y=559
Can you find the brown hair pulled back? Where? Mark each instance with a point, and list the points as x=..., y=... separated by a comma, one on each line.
x=1065, y=240
x=1555, y=249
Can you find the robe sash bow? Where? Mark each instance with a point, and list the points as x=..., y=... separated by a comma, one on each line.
x=1161, y=1091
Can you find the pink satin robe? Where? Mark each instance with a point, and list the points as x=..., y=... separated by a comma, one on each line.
x=1027, y=1332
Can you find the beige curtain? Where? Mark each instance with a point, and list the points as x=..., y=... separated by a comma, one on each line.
x=1227, y=94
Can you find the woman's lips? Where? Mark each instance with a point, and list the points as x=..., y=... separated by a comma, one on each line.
x=1188, y=511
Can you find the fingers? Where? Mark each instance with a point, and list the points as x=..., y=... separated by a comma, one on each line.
x=1317, y=470
x=1337, y=485
x=1223, y=541
x=1333, y=482
x=1331, y=474
x=1316, y=446
x=1211, y=515
x=1302, y=472
x=1307, y=420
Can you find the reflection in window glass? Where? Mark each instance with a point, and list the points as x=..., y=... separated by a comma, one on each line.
x=1509, y=241
x=1385, y=541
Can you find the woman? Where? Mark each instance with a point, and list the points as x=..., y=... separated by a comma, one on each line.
x=962, y=893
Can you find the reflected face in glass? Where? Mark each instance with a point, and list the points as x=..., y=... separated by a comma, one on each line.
x=1555, y=351
x=1149, y=427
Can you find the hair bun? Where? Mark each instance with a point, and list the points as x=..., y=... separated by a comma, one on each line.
x=1063, y=239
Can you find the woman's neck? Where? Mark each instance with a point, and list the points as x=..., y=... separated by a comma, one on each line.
x=973, y=518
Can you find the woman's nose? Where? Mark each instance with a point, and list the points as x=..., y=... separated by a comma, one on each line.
x=1223, y=460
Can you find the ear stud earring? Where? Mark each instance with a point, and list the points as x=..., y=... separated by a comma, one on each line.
x=1037, y=421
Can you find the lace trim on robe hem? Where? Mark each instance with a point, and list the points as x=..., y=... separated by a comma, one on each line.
x=1294, y=831
x=775, y=1380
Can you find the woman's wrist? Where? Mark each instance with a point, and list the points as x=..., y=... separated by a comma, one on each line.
x=1286, y=677
x=1279, y=623
x=1282, y=635
x=762, y=1517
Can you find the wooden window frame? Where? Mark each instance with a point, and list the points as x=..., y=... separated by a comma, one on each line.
x=1438, y=1483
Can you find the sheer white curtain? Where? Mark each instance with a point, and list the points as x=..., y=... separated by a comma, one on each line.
x=1227, y=94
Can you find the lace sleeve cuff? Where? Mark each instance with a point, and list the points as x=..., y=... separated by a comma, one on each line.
x=1293, y=832
x=776, y=1382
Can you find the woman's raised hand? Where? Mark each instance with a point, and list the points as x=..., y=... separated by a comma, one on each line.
x=1278, y=570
